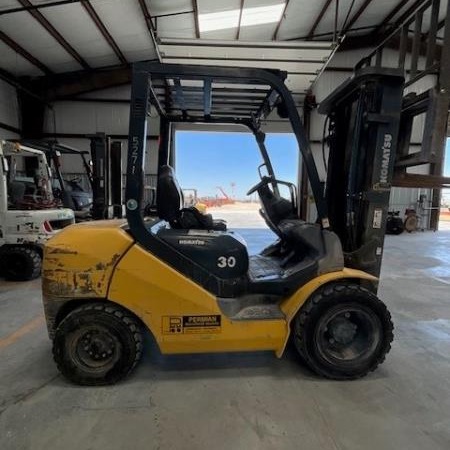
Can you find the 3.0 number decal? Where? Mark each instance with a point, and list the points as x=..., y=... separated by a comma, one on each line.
x=223, y=262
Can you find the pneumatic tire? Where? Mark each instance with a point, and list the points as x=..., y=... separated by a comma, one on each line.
x=21, y=263
x=97, y=344
x=343, y=331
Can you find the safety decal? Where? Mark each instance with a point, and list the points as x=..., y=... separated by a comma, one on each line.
x=191, y=324
x=377, y=218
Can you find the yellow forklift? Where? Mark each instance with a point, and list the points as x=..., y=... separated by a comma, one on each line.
x=181, y=275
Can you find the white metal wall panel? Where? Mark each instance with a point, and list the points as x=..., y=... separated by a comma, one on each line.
x=376, y=11
x=32, y=36
x=126, y=24
x=213, y=6
x=9, y=109
x=16, y=64
x=326, y=25
x=7, y=4
x=177, y=26
x=159, y=7
x=298, y=19
x=80, y=31
x=90, y=117
x=264, y=31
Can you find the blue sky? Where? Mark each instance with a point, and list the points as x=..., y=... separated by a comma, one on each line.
x=205, y=160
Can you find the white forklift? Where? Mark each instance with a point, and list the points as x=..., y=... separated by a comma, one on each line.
x=29, y=213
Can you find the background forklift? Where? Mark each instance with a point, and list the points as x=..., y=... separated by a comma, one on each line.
x=103, y=197
x=190, y=282
x=68, y=190
x=29, y=214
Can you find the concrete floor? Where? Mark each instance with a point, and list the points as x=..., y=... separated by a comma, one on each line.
x=243, y=401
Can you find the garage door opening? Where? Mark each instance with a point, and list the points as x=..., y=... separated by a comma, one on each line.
x=445, y=201
x=218, y=168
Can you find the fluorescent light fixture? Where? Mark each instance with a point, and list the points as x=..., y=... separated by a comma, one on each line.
x=223, y=20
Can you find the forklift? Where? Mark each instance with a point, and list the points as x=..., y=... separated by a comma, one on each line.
x=190, y=282
x=103, y=175
x=69, y=192
x=29, y=213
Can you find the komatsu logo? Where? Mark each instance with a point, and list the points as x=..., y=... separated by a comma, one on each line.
x=385, y=158
x=191, y=242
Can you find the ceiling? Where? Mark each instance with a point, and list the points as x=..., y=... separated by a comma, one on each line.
x=49, y=37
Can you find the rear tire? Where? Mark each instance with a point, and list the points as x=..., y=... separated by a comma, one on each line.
x=97, y=344
x=343, y=331
x=21, y=263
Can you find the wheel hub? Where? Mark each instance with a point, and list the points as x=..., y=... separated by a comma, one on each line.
x=342, y=330
x=347, y=334
x=96, y=347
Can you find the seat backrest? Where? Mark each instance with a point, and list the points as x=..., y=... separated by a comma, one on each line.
x=16, y=191
x=169, y=196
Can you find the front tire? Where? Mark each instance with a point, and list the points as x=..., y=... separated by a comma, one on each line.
x=21, y=263
x=97, y=344
x=343, y=331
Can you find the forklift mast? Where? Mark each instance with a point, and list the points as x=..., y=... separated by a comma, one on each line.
x=364, y=118
x=107, y=183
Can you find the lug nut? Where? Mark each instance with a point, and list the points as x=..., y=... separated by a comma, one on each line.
x=331, y=341
x=347, y=315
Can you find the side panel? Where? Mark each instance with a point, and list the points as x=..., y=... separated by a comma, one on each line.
x=183, y=317
x=79, y=261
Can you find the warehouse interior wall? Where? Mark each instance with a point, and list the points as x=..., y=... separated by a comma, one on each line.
x=9, y=111
x=73, y=121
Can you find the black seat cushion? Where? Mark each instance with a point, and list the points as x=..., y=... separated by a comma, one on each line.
x=169, y=201
x=169, y=204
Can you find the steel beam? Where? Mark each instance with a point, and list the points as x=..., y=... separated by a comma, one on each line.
x=412, y=180
x=283, y=14
x=24, y=53
x=319, y=18
x=67, y=85
x=238, y=32
x=103, y=30
x=357, y=15
x=431, y=35
x=196, y=21
x=39, y=6
x=55, y=34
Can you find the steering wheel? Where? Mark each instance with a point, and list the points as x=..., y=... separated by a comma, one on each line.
x=264, y=181
x=275, y=208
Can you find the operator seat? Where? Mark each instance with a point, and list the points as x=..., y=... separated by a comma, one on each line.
x=169, y=203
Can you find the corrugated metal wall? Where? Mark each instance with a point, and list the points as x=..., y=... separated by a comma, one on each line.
x=92, y=117
x=9, y=110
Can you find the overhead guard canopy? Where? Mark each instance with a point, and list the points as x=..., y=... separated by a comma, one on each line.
x=208, y=94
